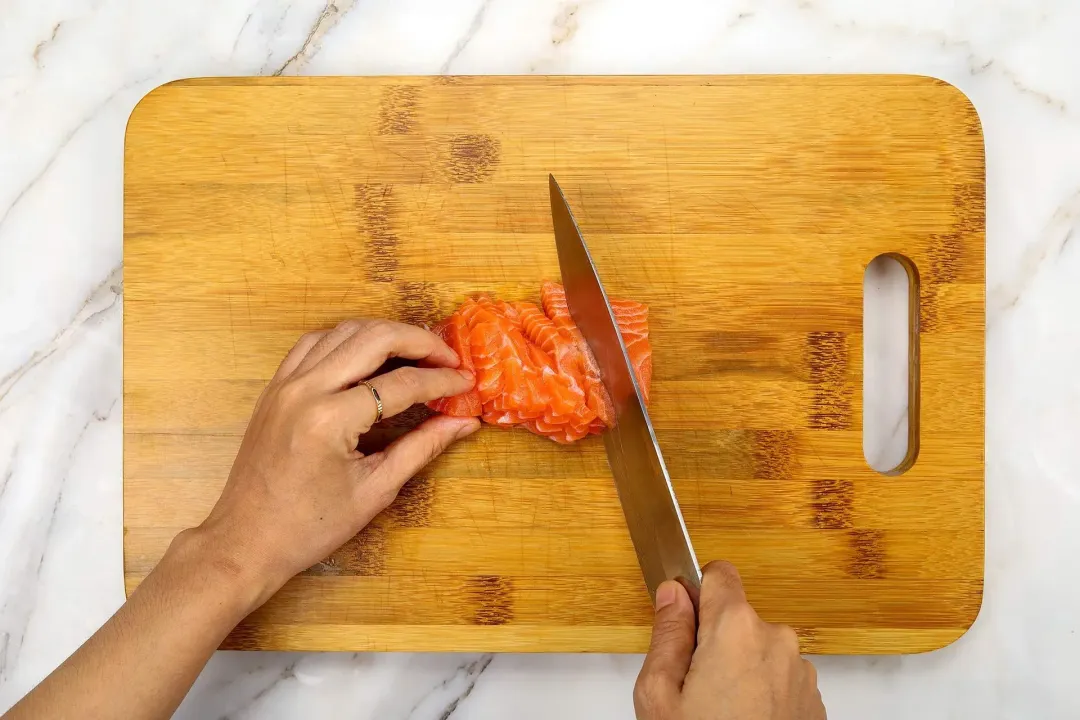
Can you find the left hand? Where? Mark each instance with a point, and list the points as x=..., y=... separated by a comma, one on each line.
x=299, y=487
x=297, y=491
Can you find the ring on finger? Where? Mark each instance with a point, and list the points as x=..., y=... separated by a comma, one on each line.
x=377, y=399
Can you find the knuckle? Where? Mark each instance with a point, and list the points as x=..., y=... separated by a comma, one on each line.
x=667, y=629
x=410, y=381
x=721, y=586
x=743, y=614
x=787, y=638
x=644, y=689
x=743, y=618
x=290, y=392
x=378, y=332
x=648, y=695
x=722, y=572
x=378, y=325
x=432, y=448
x=385, y=495
x=350, y=326
x=316, y=421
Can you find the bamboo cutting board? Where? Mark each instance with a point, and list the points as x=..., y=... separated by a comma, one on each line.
x=743, y=210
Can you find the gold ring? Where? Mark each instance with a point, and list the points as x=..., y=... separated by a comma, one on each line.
x=378, y=401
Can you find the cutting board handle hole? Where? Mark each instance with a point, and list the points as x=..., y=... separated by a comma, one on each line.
x=890, y=363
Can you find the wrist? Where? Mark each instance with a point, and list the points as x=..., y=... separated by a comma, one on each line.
x=211, y=560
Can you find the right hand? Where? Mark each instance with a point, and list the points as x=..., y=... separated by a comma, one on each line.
x=742, y=667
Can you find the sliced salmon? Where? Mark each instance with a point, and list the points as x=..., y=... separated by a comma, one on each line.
x=533, y=367
x=455, y=333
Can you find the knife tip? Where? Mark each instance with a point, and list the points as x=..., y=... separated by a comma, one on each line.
x=553, y=186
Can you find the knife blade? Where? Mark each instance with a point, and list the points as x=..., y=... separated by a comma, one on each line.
x=657, y=530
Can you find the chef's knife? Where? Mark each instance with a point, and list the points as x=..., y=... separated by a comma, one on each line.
x=648, y=500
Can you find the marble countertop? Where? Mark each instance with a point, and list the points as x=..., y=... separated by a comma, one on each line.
x=72, y=70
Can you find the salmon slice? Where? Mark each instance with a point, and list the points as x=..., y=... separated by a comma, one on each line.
x=533, y=367
x=455, y=333
x=633, y=321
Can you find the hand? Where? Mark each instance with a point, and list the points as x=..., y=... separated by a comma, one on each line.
x=743, y=668
x=297, y=491
x=299, y=488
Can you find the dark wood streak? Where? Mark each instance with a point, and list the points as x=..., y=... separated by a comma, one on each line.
x=472, y=158
x=969, y=201
x=248, y=635
x=827, y=359
x=397, y=110
x=375, y=206
x=867, y=554
x=946, y=254
x=417, y=304
x=491, y=597
x=831, y=501
x=412, y=507
x=775, y=456
x=364, y=554
x=946, y=257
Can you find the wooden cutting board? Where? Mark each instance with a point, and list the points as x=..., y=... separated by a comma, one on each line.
x=743, y=210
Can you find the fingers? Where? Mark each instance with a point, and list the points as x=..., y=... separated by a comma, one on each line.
x=722, y=604
x=330, y=340
x=361, y=353
x=399, y=390
x=721, y=588
x=404, y=387
x=298, y=353
x=388, y=470
x=661, y=678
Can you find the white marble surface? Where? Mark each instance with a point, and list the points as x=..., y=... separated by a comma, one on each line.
x=71, y=71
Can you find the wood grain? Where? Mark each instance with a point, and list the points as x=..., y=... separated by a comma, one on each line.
x=743, y=210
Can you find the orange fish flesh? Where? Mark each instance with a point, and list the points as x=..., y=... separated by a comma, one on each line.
x=533, y=367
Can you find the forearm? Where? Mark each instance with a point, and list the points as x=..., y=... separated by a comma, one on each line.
x=146, y=657
x=299, y=489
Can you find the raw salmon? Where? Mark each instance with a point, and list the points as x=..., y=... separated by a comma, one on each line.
x=533, y=367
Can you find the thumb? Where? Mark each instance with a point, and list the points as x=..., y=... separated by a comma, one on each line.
x=672, y=647
x=406, y=456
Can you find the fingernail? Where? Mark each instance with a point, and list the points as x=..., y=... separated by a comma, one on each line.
x=666, y=594
x=467, y=374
